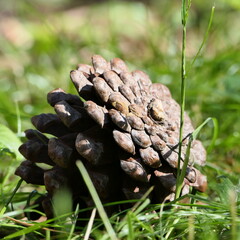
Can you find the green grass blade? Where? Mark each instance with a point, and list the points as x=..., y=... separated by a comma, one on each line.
x=9, y=140
x=74, y=223
x=198, y=129
x=31, y=195
x=145, y=195
x=90, y=224
x=183, y=88
x=191, y=228
x=96, y=200
x=62, y=202
x=135, y=208
x=19, y=124
x=161, y=220
x=183, y=170
x=142, y=206
x=233, y=213
x=204, y=39
x=28, y=229
x=215, y=135
x=130, y=226
x=182, y=174
x=14, y=192
x=48, y=235
x=176, y=220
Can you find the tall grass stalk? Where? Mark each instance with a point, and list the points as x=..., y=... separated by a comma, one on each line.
x=181, y=173
x=185, y=9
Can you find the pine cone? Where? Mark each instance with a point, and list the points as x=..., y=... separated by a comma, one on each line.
x=126, y=133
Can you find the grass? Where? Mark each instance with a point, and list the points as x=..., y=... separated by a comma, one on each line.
x=41, y=42
x=184, y=17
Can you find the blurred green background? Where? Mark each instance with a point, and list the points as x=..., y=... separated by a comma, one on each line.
x=41, y=41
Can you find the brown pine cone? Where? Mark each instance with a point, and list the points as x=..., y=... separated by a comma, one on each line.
x=126, y=133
